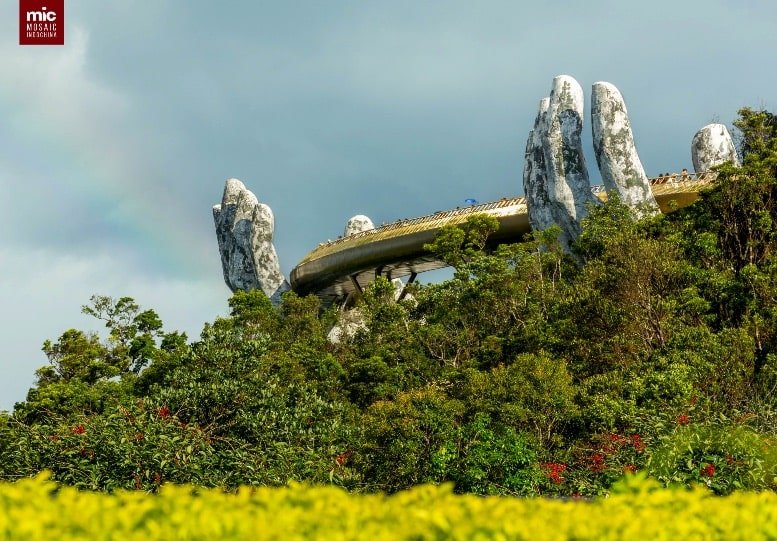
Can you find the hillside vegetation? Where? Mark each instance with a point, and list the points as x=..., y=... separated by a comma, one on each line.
x=526, y=373
x=37, y=509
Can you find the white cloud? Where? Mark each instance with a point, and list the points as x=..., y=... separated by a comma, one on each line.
x=82, y=153
x=53, y=85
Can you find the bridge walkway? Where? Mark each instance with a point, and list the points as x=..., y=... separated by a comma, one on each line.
x=336, y=268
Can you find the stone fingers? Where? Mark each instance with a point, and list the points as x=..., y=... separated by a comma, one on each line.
x=616, y=154
x=244, y=230
x=535, y=175
x=555, y=177
x=357, y=224
x=711, y=146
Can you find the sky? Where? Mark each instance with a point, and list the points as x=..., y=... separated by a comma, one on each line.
x=115, y=146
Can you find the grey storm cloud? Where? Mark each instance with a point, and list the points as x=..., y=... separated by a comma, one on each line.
x=324, y=110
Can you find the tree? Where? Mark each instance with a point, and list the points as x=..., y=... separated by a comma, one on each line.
x=458, y=244
x=132, y=336
x=85, y=373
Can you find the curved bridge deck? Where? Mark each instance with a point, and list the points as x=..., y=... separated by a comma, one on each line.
x=336, y=268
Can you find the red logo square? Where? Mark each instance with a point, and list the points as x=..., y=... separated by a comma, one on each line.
x=41, y=22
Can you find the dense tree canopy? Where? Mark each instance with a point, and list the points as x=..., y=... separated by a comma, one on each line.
x=653, y=348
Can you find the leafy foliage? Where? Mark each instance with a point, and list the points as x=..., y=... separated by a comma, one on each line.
x=653, y=348
x=37, y=509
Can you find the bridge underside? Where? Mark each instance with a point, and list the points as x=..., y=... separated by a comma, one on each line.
x=336, y=269
x=396, y=252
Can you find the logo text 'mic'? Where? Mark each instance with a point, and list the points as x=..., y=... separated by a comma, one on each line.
x=41, y=22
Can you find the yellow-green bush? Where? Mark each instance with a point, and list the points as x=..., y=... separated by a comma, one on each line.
x=37, y=508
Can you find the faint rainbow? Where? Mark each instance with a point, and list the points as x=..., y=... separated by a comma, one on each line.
x=156, y=233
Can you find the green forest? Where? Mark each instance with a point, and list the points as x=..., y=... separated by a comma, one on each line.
x=651, y=348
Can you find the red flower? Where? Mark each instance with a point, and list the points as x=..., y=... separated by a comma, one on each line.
x=342, y=458
x=683, y=420
x=164, y=412
x=629, y=468
x=78, y=429
x=554, y=471
x=612, y=443
x=597, y=463
x=637, y=443
x=708, y=471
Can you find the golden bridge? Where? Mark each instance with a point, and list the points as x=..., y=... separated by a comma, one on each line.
x=336, y=268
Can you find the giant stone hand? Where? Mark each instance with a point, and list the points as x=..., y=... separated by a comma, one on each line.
x=244, y=229
x=555, y=175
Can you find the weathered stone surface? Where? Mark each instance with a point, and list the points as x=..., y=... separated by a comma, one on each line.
x=569, y=190
x=351, y=322
x=535, y=175
x=357, y=224
x=348, y=325
x=244, y=229
x=399, y=288
x=712, y=145
x=616, y=153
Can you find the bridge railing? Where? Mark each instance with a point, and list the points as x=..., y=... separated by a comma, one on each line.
x=685, y=176
x=669, y=178
x=440, y=215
